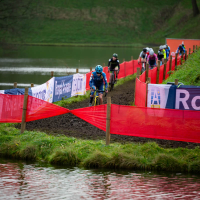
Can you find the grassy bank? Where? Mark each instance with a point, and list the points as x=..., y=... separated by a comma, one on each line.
x=189, y=72
x=106, y=22
x=69, y=151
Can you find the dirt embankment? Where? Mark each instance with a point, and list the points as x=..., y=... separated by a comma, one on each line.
x=73, y=126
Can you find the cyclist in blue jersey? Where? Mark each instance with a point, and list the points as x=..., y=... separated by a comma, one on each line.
x=167, y=49
x=97, y=81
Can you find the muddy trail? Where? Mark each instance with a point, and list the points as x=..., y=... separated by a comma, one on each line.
x=73, y=126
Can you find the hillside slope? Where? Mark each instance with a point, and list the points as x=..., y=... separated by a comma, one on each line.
x=121, y=22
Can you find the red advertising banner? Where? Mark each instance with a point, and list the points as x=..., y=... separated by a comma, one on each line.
x=140, y=93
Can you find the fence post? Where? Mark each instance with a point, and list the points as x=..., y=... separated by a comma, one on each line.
x=147, y=71
x=176, y=81
x=32, y=84
x=181, y=58
x=170, y=63
x=108, y=120
x=158, y=72
x=164, y=72
x=104, y=65
x=185, y=55
x=51, y=73
x=124, y=69
x=138, y=76
x=131, y=57
x=76, y=71
x=189, y=51
x=147, y=82
x=193, y=48
x=15, y=85
x=90, y=68
x=23, y=124
x=175, y=61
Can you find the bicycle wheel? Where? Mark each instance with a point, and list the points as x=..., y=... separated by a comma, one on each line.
x=112, y=82
x=97, y=101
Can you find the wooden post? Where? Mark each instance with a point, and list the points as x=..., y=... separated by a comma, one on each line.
x=158, y=72
x=51, y=73
x=104, y=65
x=23, y=124
x=147, y=82
x=15, y=85
x=124, y=69
x=76, y=71
x=131, y=57
x=185, y=55
x=193, y=48
x=32, y=84
x=108, y=120
x=175, y=61
x=181, y=58
x=170, y=63
x=90, y=68
x=164, y=72
x=147, y=71
x=189, y=51
x=138, y=76
x=176, y=81
x=123, y=60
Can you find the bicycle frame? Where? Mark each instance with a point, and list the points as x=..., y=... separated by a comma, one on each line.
x=95, y=101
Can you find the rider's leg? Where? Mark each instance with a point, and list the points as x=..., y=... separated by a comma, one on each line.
x=91, y=96
x=100, y=98
x=110, y=79
x=116, y=68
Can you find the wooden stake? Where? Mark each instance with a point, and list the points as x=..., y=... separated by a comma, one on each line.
x=148, y=81
x=170, y=63
x=137, y=77
x=76, y=71
x=90, y=68
x=104, y=65
x=124, y=69
x=164, y=72
x=181, y=58
x=51, y=73
x=131, y=57
x=175, y=61
x=158, y=73
x=123, y=59
x=147, y=71
x=185, y=55
x=176, y=81
x=32, y=84
x=189, y=51
x=23, y=124
x=15, y=85
x=193, y=48
x=108, y=120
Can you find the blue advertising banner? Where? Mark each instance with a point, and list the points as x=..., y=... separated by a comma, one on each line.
x=188, y=98
x=161, y=96
x=62, y=87
x=17, y=91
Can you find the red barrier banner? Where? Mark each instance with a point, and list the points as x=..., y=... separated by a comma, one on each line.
x=88, y=80
x=161, y=73
x=174, y=43
x=140, y=93
x=129, y=67
x=168, y=124
x=39, y=109
x=153, y=74
x=95, y=115
x=136, y=65
x=143, y=77
x=11, y=107
x=122, y=70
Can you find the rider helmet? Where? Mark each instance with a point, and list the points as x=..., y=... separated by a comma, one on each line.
x=144, y=50
x=151, y=52
x=161, y=47
x=99, y=69
x=115, y=55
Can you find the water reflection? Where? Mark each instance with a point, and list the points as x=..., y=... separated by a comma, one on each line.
x=22, y=180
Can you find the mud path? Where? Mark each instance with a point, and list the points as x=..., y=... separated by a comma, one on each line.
x=73, y=126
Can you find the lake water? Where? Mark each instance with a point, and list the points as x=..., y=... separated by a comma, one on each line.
x=33, y=64
x=21, y=180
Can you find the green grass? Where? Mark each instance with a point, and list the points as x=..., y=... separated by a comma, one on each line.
x=68, y=151
x=189, y=72
x=117, y=23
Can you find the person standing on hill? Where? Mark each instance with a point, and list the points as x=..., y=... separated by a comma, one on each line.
x=113, y=64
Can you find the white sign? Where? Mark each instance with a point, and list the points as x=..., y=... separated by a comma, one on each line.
x=78, y=84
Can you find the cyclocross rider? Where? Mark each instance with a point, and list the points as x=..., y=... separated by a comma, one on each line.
x=143, y=58
x=97, y=81
x=113, y=64
x=152, y=59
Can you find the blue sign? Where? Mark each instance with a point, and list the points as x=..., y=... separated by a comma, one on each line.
x=17, y=91
x=62, y=87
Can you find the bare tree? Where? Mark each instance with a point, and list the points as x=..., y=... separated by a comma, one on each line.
x=195, y=8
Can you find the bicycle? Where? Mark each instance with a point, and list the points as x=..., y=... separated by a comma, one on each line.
x=113, y=79
x=143, y=67
x=96, y=100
